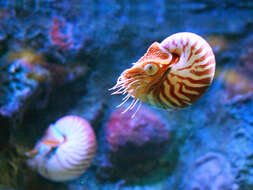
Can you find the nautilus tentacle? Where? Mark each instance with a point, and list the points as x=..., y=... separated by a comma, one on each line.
x=65, y=151
x=172, y=74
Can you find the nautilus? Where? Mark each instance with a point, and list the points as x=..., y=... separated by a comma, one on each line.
x=172, y=74
x=65, y=151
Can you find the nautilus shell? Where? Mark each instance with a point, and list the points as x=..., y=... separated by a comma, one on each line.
x=172, y=74
x=65, y=151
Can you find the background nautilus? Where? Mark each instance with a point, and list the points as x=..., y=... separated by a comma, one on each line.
x=65, y=151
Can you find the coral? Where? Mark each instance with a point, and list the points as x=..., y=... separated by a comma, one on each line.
x=61, y=34
x=59, y=74
x=29, y=56
x=146, y=127
x=135, y=143
x=27, y=77
x=21, y=85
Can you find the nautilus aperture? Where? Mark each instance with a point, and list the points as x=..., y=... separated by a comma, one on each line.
x=172, y=74
x=65, y=151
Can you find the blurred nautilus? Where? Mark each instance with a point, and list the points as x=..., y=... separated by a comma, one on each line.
x=172, y=74
x=65, y=151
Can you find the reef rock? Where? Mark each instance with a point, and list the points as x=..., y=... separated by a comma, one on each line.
x=20, y=83
x=238, y=81
x=26, y=81
x=211, y=172
x=135, y=144
x=245, y=64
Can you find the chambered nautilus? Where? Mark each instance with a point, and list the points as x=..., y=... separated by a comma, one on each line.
x=172, y=74
x=65, y=151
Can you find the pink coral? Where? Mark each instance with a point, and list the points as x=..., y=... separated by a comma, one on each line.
x=134, y=145
x=145, y=127
x=58, y=36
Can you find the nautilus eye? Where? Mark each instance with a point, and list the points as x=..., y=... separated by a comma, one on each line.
x=151, y=68
x=65, y=151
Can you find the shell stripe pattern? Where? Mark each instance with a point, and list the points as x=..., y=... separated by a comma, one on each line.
x=74, y=153
x=190, y=76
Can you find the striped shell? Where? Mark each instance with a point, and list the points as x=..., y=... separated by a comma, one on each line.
x=66, y=149
x=172, y=74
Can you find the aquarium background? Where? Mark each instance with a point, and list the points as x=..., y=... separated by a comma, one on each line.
x=61, y=57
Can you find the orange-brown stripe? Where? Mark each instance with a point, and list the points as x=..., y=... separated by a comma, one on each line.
x=168, y=99
x=199, y=50
x=207, y=54
x=163, y=104
x=196, y=89
x=201, y=73
x=211, y=61
x=182, y=92
x=173, y=94
x=192, y=48
x=200, y=81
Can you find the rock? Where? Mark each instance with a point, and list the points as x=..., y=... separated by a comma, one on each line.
x=91, y=109
x=21, y=84
x=245, y=64
x=144, y=128
x=237, y=86
x=26, y=81
x=92, y=105
x=244, y=176
x=238, y=81
x=218, y=43
x=211, y=172
x=135, y=144
x=4, y=131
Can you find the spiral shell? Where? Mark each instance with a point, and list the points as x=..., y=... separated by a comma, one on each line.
x=172, y=74
x=65, y=151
